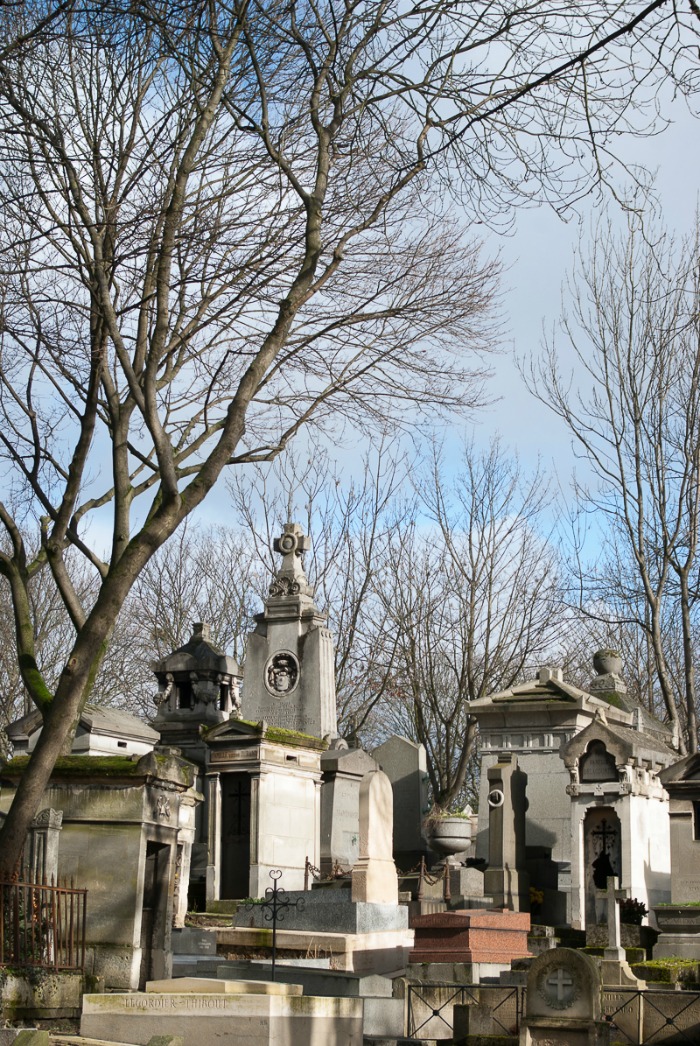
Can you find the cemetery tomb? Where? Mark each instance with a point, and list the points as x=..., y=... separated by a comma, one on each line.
x=121, y=828
x=590, y=756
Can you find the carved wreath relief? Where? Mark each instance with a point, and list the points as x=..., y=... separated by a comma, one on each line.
x=282, y=674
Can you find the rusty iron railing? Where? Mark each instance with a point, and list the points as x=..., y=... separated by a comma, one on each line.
x=42, y=925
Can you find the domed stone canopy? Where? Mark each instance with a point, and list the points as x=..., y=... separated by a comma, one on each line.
x=198, y=681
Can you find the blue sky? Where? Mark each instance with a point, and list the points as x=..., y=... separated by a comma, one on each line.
x=536, y=259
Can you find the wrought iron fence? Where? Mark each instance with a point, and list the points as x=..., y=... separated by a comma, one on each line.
x=639, y=1018
x=42, y=925
x=435, y=1002
x=651, y=1017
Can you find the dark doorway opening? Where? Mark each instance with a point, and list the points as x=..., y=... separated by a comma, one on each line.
x=235, y=836
x=154, y=911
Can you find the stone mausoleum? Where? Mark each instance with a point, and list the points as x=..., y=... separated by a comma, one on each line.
x=122, y=826
x=596, y=805
x=282, y=790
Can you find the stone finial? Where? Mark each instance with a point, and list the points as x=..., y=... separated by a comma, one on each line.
x=608, y=666
x=607, y=662
x=548, y=673
x=201, y=630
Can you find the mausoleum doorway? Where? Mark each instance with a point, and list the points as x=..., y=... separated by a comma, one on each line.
x=235, y=836
x=154, y=912
x=602, y=854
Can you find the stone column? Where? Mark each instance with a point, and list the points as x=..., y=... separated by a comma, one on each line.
x=42, y=863
x=505, y=879
x=214, y=841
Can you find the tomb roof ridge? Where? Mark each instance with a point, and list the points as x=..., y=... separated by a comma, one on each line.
x=685, y=770
x=98, y=718
x=629, y=741
x=198, y=653
x=640, y=718
x=157, y=766
x=535, y=690
x=638, y=739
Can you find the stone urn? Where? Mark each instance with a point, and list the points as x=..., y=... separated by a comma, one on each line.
x=607, y=662
x=450, y=834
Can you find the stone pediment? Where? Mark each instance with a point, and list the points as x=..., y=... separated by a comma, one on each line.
x=547, y=688
x=241, y=730
x=625, y=745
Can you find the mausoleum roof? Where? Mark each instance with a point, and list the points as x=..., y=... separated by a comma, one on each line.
x=198, y=654
x=628, y=744
x=606, y=694
x=94, y=719
x=683, y=775
x=241, y=729
x=548, y=686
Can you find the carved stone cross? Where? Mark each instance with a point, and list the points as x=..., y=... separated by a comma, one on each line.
x=614, y=949
x=292, y=544
x=559, y=981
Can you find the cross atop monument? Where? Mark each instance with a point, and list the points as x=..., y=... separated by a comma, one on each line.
x=292, y=544
x=291, y=579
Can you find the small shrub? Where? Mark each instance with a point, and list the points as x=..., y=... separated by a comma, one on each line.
x=632, y=911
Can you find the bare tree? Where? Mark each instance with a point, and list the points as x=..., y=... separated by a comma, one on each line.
x=472, y=599
x=22, y=22
x=634, y=329
x=219, y=221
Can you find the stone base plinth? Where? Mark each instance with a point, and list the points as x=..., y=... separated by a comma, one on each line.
x=471, y=936
x=375, y=882
x=379, y=952
x=224, y=1019
x=29, y=995
x=618, y=974
x=685, y=945
x=214, y=986
x=558, y=1031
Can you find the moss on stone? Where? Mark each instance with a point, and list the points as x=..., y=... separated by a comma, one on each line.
x=612, y=698
x=671, y=969
x=294, y=738
x=80, y=766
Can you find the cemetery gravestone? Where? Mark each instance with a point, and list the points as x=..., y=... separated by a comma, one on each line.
x=343, y=771
x=404, y=763
x=260, y=1017
x=374, y=877
x=564, y=1002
